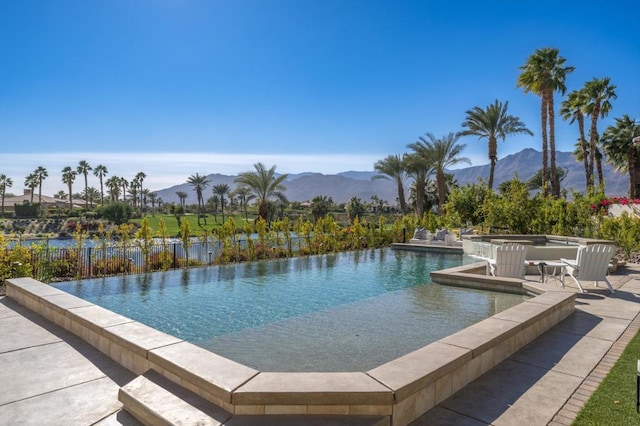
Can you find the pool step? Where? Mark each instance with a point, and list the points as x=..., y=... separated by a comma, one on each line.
x=155, y=400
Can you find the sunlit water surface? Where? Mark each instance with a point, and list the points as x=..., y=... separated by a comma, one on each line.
x=349, y=311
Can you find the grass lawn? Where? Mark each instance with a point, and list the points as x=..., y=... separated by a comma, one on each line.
x=173, y=228
x=614, y=402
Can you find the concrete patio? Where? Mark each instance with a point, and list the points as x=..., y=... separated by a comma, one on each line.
x=50, y=376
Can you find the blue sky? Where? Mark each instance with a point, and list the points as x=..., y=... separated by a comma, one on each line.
x=175, y=87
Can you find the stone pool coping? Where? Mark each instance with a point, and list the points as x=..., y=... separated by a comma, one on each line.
x=400, y=390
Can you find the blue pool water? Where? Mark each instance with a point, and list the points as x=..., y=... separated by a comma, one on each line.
x=349, y=311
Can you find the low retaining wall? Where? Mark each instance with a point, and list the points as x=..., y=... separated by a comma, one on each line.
x=400, y=390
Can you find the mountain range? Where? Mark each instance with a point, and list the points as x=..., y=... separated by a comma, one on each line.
x=342, y=186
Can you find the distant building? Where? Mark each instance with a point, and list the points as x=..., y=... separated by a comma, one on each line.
x=47, y=202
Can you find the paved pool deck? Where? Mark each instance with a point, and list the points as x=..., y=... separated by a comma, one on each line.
x=49, y=376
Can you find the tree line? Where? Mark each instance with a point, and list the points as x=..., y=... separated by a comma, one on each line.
x=543, y=74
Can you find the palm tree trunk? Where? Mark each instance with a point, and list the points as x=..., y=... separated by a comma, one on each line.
x=263, y=210
x=555, y=185
x=545, y=154
x=419, y=198
x=599, y=169
x=593, y=142
x=401, y=200
x=493, y=157
x=441, y=183
x=491, y=170
x=634, y=173
x=585, y=151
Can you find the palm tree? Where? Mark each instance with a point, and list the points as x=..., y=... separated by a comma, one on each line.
x=101, y=171
x=113, y=185
x=493, y=123
x=31, y=182
x=5, y=182
x=264, y=184
x=393, y=168
x=320, y=206
x=40, y=174
x=599, y=93
x=419, y=166
x=573, y=109
x=199, y=183
x=214, y=201
x=244, y=195
x=153, y=197
x=68, y=176
x=90, y=194
x=443, y=153
x=182, y=196
x=144, y=195
x=83, y=169
x=139, y=181
x=544, y=74
x=221, y=190
x=125, y=185
x=623, y=152
x=60, y=195
x=133, y=192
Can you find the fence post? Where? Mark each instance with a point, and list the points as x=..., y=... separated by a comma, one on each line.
x=90, y=266
x=174, y=256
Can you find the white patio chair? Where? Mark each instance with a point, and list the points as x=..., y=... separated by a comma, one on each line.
x=509, y=261
x=591, y=264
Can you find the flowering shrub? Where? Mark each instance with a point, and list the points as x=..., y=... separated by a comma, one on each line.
x=603, y=205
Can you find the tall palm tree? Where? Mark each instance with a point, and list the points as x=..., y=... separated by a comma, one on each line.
x=543, y=74
x=444, y=153
x=265, y=184
x=41, y=174
x=221, y=190
x=91, y=194
x=5, y=182
x=139, y=180
x=31, y=182
x=113, y=186
x=599, y=92
x=622, y=152
x=153, y=197
x=573, y=109
x=68, y=176
x=244, y=196
x=133, y=192
x=83, y=169
x=493, y=123
x=182, y=196
x=419, y=166
x=125, y=185
x=144, y=195
x=393, y=168
x=100, y=172
x=199, y=183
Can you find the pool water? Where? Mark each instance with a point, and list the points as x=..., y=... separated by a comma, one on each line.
x=349, y=311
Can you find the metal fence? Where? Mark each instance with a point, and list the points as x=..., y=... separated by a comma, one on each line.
x=62, y=263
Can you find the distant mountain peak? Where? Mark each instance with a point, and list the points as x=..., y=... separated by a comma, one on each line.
x=342, y=186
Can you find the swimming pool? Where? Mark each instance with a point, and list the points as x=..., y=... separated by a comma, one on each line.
x=349, y=311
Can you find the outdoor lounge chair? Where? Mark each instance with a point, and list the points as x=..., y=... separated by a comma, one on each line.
x=591, y=264
x=509, y=261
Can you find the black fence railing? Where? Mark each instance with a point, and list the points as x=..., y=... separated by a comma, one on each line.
x=65, y=263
